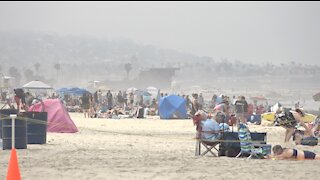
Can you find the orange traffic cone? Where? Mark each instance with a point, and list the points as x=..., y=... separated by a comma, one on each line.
x=13, y=169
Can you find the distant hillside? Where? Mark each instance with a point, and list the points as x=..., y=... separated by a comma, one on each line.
x=74, y=60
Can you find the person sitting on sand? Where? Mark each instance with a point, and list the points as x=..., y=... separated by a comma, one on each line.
x=289, y=120
x=306, y=139
x=309, y=139
x=316, y=127
x=286, y=153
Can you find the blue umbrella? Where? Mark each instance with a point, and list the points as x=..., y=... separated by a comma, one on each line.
x=72, y=91
x=62, y=90
x=142, y=93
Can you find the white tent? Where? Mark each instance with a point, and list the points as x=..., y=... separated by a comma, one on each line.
x=36, y=85
x=153, y=91
x=38, y=88
x=131, y=90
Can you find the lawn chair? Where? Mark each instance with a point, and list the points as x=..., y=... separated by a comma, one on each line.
x=209, y=145
x=257, y=149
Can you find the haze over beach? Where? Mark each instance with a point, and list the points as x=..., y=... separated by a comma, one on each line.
x=143, y=52
x=251, y=32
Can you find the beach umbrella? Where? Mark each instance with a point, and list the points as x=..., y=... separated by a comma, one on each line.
x=316, y=97
x=73, y=91
x=131, y=90
x=81, y=91
x=261, y=98
x=151, y=89
x=142, y=93
x=104, y=88
x=62, y=90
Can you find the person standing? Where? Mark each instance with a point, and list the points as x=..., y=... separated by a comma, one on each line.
x=131, y=99
x=289, y=119
x=85, y=104
x=125, y=99
x=194, y=104
x=201, y=102
x=239, y=110
x=188, y=102
x=109, y=99
x=119, y=98
x=99, y=96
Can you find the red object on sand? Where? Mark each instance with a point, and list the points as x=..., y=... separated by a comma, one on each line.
x=13, y=168
x=59, y=120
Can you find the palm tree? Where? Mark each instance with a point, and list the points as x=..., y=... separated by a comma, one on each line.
x=57, y=67
x=37, y=67
x=1, y=76
x=128, y=68
x=13, y=72
x=28, y=74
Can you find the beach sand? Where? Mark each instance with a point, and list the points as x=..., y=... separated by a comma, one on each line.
x=146, y=149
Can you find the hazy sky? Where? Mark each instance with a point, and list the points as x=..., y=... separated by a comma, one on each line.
x=247, y=31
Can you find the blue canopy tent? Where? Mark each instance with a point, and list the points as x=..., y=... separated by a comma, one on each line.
x=62, y=90
x=172, y=107
x=72, y=91
x=142, y=93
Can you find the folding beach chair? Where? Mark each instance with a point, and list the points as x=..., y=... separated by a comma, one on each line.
x=257, y=150
x=209, y=145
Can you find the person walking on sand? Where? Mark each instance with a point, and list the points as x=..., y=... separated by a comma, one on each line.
x=85, y=104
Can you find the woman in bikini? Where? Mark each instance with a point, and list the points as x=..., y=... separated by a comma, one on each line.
x=289, y=120
x=285, y=153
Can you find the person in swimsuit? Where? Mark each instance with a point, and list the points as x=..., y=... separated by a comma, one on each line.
x=286, y=153
x=289, y=119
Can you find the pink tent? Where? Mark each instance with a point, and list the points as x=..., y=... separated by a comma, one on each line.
x=58, y=117
x=218, y=107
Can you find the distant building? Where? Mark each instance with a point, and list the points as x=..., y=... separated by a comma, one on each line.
x=5, y=84
x=158, y=77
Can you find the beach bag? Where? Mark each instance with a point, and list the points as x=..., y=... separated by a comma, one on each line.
x=140, y=112
x=230, y=145
x=309, y=141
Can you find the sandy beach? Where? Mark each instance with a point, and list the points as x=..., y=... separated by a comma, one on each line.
x=146, y=149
